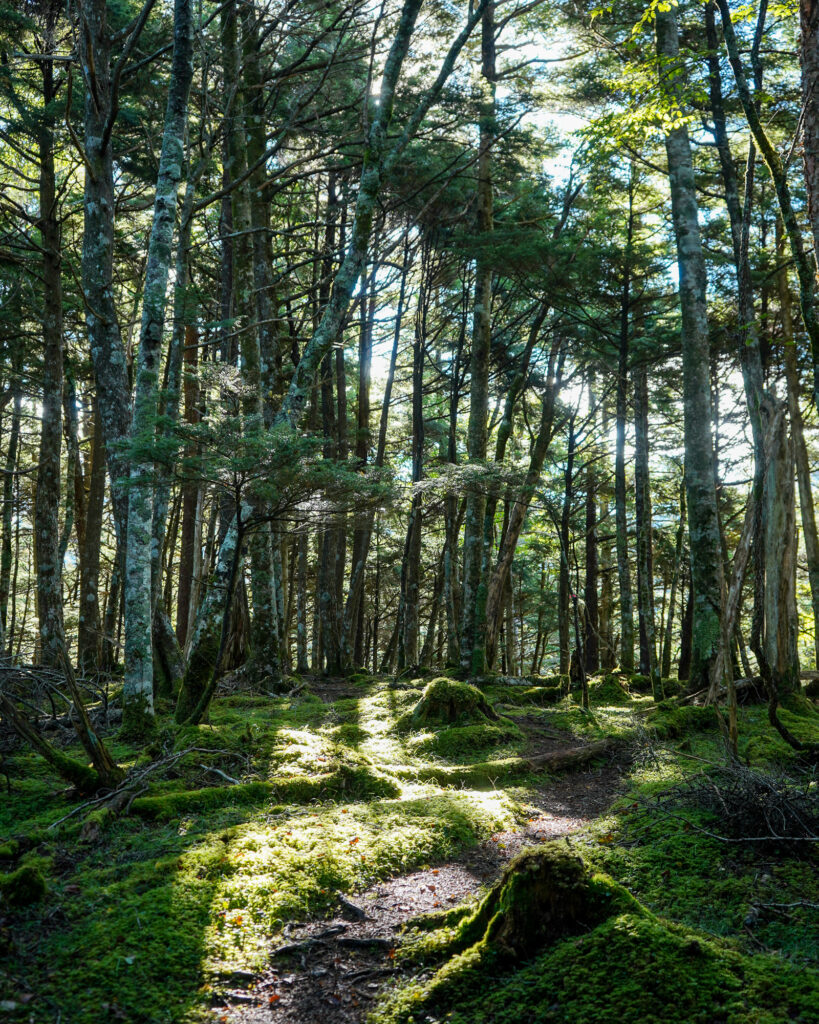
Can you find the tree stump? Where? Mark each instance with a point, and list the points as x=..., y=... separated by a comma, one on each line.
x=446, y=701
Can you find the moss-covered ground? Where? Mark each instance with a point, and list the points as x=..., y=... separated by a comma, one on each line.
x=145, y=913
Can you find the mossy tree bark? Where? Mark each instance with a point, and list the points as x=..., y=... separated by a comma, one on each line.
x=138, y=685
x=703, y=529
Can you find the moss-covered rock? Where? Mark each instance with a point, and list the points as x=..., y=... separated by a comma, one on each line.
x=22, y=887
x=812, y=689
x=449, y=702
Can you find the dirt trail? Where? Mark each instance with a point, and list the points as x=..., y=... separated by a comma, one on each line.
x=330, y=972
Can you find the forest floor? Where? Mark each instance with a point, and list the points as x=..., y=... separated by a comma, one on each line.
x=325, y=821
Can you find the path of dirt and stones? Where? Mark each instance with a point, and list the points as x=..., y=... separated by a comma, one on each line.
x=331, y=971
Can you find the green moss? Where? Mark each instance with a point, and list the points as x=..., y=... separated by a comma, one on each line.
x=555, y=681
x=9, y=850
x=670, y=720
x=461, y=740
x=447, y=702
x=609, y=690
x=544, y=894
x=540, y=696
x=22, y=887
x=631, y=969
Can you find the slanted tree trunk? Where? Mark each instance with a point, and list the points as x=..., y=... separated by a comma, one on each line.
x=379, y=160
x=138, y=684
x=703, y=531
x=520, y=505
x=805, y=266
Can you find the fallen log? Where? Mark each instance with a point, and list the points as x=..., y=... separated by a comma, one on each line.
x=558, y=760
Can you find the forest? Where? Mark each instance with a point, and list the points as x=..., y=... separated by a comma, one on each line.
x=409, y=565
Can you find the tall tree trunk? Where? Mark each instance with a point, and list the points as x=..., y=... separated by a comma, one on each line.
x=591, y=622
x=809, y=63
x=565, y=598
x=354, y=603
x=9, y=475
x=620, y=507
x=138, y=684
x=411, y=566
x=642, y=505
x=107, y=351
x=452, y=601
x=191, y=518
x=88, y=640
x=676, y=571
x=803, y=476
x=473, y=650
x=781, y=658
x=703, y=531
x=47, y=496
x=264, y=632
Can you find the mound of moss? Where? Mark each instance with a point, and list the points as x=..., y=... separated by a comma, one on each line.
x=22, y=887
x=544, y=895
x=540, y=696
x=631, y=969
x=449, y=702
x=462, y=740
x=610, y=690
x=670, y=720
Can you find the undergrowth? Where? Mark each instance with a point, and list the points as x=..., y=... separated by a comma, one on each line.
x=264, y=815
